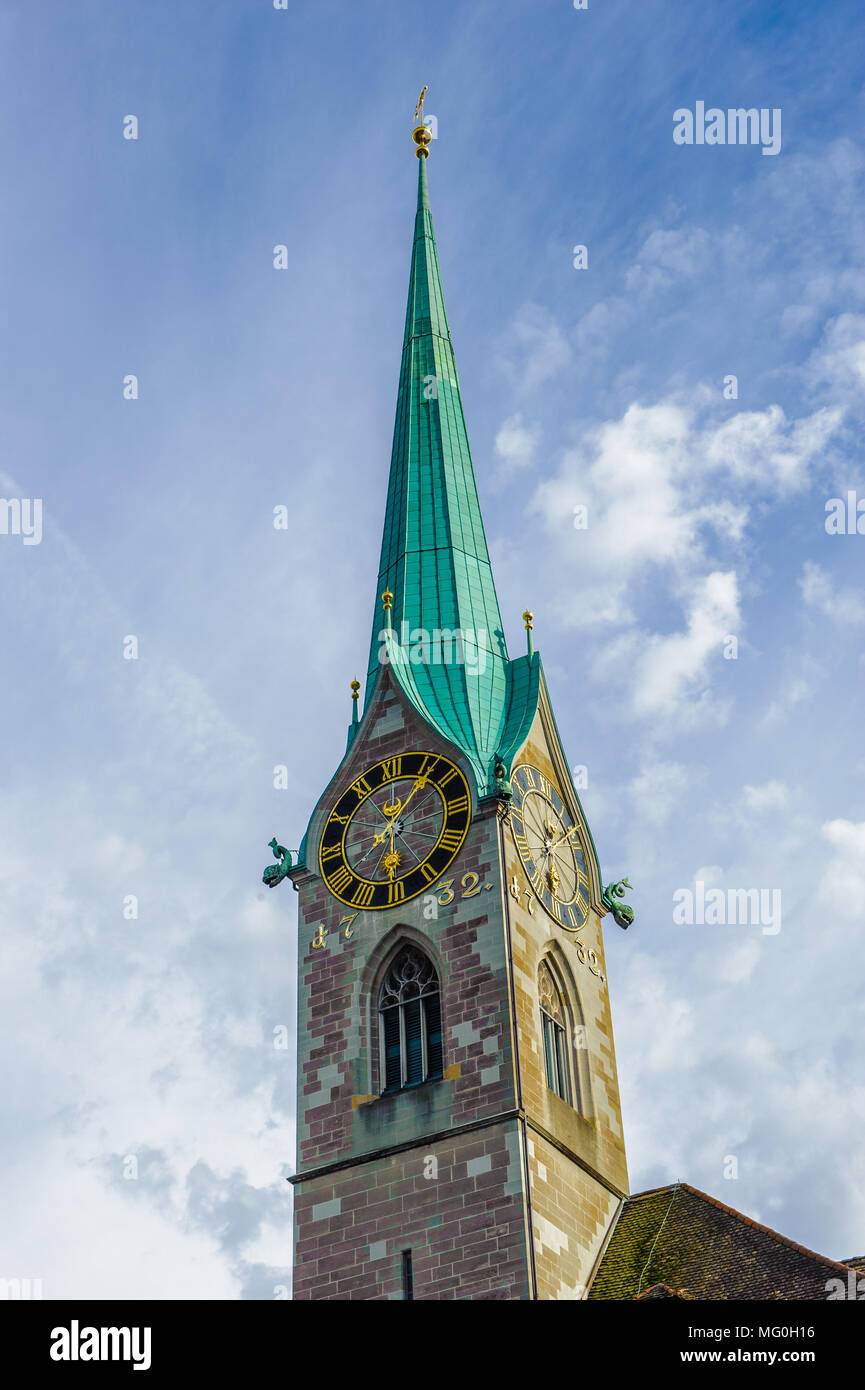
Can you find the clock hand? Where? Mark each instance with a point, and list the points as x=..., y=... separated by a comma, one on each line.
x=377, y=841
x=419, y=784
x=391, y=812
x=395, y=811
x=377, y=866
x=391, y=859
x=566, y=836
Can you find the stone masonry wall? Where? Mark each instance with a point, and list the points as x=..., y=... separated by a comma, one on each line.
x=592, y=1128
x=571, y=1214
x=456, y=1204
x=341, y=1113
x=466, y=1226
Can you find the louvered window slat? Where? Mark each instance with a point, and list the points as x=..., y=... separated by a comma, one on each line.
x=434, y=1035
x=555, y=1034
x=411, y=1029
x=393, y=1074
x=413, y=1043
x=549, y=1051
x=564, y=1087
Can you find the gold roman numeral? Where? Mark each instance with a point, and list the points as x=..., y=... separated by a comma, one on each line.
x=361, y=788
x=335, y=852
x=363, y=895
x=340, y=880
x=451, y=839
x=395, y=891
x=456, y=808
x=449, y=778
x=429, y=874
x=391, y=769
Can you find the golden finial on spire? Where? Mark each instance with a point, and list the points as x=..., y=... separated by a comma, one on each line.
x=387, y=602
x=528, y=619
x=421, y=133
x=355, y=690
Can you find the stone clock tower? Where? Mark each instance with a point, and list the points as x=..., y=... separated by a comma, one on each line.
x=459, y=1133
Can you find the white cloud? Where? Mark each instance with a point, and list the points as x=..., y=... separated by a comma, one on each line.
x=534, y=349
x=838, y=362
x=737, y=965
x=515, y=447
x=671, y=674
x=670, y=498
x=669, y=255
x=843, y=883
x=656, y=485
x=658, y=790
x=771, y=796
x=761, y=446
x=843, y=606
x=794, y=692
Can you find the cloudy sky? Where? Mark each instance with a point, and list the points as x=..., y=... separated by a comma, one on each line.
x=145, y=1044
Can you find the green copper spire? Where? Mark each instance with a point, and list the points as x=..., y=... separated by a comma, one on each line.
x=434, y=557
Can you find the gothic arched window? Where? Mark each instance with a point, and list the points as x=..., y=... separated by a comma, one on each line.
x=554, y=1027
x=411, y=1027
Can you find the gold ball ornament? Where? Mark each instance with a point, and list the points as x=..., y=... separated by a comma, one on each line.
x=423, y=139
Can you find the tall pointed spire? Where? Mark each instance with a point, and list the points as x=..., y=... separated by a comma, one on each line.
x=434, y=556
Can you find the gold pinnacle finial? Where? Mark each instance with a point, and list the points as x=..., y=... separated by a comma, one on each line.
x=528, y=618
x=355, y=690
x=387, y=602
x=421, y=134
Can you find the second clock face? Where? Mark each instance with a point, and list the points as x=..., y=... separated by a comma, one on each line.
x=395, y=830
x=549, y=845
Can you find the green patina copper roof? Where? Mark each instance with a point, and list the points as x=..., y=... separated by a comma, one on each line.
x=434, y=556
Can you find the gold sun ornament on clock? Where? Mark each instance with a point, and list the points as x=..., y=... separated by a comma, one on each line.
x=395, y=830
x=550, y=847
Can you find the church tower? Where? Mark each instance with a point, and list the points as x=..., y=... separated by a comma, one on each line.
x=459, y=1132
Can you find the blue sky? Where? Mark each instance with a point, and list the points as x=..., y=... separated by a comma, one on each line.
x=153, y=1037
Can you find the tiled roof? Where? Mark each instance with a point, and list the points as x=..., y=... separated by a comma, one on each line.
x=700, y=1248
x=664, y=1291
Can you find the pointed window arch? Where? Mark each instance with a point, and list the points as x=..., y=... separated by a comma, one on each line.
x=410, y=1021
x=555, y=1032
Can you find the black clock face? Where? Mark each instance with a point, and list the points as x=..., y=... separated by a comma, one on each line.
x=395, y=830
x=549, y=845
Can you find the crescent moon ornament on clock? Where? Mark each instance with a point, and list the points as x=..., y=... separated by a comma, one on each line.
x=395, y=830
x=549, y=845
